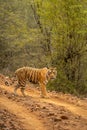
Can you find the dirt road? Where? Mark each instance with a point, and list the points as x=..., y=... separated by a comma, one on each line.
x=35, y=113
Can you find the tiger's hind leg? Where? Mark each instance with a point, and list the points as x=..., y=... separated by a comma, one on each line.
x=22, y=91
x=16, y=88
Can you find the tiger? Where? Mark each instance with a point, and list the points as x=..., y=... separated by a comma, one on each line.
x=38, y=76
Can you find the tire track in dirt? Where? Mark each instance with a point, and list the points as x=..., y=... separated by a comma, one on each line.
x=74, y=109
x=29, y=121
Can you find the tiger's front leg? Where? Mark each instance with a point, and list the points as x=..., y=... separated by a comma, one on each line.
x=43, y=90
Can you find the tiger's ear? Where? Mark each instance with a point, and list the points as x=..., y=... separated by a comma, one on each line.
x=55, y=68
x=48, y=66
x=52, y=68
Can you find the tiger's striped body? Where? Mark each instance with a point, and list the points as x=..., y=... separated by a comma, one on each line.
x=34, y=75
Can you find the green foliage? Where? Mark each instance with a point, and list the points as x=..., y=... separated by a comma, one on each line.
x=41, y=33
x=68, y=22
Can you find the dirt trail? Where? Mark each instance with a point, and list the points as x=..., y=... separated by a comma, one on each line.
x=35, y=113
x=30, y=122
x=59, y=102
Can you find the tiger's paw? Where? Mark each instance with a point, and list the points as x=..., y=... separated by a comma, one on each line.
x=44, y=96
x=14, y=94
x=25, y=95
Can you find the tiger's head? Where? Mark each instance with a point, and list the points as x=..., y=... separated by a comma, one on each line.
x=52, y=73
